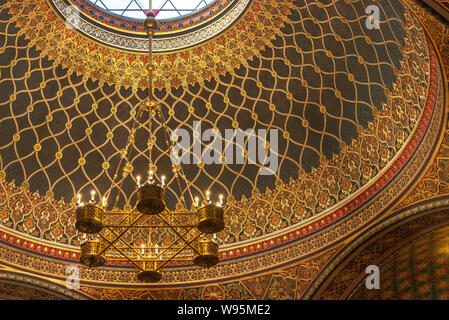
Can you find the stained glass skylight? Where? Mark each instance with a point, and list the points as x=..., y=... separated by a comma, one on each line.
x=165, y=9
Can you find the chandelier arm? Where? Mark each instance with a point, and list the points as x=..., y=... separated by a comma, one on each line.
x=181, y=213
x=179, y=235
x=175, y=218
x=119, y=250
x=119, y=213
x=150, y=260
x=113, y=244
x=149, y=247
x=179, y=251
x=121, y=223
x=174, y=242
x=171, y=215
x=150, y=226
x=128, y=214
x=122, y=233
x=157, y=258
x=140, y=254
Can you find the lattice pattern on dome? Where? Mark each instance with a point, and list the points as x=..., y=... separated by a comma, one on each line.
x=320, y=84
x=166, y=9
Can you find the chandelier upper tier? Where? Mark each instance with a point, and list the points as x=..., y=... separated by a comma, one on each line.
x=104, y=228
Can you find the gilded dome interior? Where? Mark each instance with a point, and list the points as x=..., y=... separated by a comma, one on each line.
x=354, y=118
x=416, y=271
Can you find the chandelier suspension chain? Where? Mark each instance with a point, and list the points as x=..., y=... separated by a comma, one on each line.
x=128, y=152
x=150, y=92
x=175, y=167
x=152, y=103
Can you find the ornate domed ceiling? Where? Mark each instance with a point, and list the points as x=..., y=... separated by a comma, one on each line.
x=417, y=271
x=357, y=113
x=19, y=291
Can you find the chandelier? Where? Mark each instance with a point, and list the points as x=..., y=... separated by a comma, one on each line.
x=104, y=230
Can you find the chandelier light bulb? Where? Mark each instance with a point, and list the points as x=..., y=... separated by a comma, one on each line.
x=163, y=180
x=197, y=201
x=138, y=181
x=79, y=199
x=221, y=199
x=208, y=195
x=104, y=202
x=150, y=176
x=92, y=196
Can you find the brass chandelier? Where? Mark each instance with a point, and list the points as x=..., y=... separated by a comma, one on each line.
x=104, y=232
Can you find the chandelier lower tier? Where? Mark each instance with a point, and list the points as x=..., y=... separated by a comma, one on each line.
x=105, y=234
